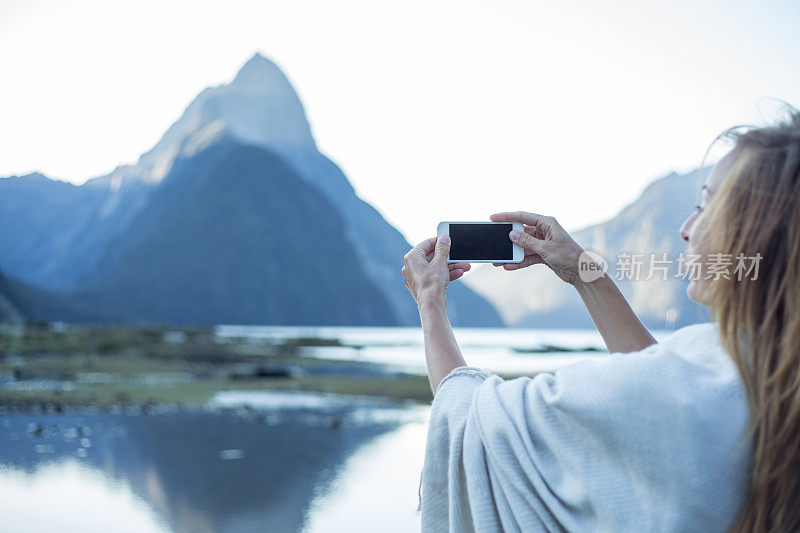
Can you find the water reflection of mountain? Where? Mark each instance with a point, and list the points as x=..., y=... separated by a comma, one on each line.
x=173, y=462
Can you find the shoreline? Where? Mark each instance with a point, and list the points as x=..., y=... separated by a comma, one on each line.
x=101, y=367
x=60, y=368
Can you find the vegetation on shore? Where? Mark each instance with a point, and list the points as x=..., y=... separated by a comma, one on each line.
x=107, y=366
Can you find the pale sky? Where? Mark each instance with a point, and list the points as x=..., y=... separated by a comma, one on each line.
x=436, y=110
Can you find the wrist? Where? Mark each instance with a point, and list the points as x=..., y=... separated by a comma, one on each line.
x=587, y=287
x=431, y=301
x=590, y=270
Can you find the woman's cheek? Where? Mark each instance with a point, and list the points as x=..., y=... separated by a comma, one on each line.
x=696, y=291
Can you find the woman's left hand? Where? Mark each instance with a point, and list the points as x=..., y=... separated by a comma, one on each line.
x=427, y=272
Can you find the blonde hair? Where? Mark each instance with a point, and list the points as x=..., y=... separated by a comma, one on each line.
x=757, y=211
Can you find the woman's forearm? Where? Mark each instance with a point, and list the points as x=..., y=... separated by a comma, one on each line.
x=441, y=349
x=619, y=326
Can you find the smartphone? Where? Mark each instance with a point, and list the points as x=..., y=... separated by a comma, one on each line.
x=482, y=242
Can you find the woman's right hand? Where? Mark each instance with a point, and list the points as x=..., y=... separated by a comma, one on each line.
x=544, y=241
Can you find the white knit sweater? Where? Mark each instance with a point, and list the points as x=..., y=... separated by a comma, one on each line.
x=644, y=441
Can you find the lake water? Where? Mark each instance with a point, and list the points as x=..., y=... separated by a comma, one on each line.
x=251, y=461
x=497, y=349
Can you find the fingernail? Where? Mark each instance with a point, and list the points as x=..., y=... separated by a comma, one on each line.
x=446, y=239
x=515, y=235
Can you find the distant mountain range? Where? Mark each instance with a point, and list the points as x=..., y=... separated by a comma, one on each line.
x=535, y=297
x=234, y=216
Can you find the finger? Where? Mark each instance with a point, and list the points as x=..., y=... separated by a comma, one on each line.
x=455, y=274
x=529, y=242
x=425, y=247
x=527, y=261
x=430, y=255
x=442, y=249
x=464, y=265
x=535, y=231
x=420, y=251
x=531, y=219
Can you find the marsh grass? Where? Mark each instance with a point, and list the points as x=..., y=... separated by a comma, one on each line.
x=105, y=366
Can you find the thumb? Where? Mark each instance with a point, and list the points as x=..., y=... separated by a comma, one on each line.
x=442, y=249
x=529, y=242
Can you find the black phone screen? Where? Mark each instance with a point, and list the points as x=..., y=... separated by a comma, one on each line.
x=481, y=241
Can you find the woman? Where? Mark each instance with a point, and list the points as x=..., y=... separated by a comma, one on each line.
x=700, y=432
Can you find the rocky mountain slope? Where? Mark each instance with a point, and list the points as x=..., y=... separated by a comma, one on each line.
x=237, y=185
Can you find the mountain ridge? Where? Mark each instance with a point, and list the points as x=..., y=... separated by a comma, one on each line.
x=218, y=244
x=259, y=107
x=535, y=297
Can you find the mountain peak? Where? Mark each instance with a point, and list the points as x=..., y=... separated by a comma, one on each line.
x=35, y=176
x=257, y=59
x=260, y=73
x=259, y=107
